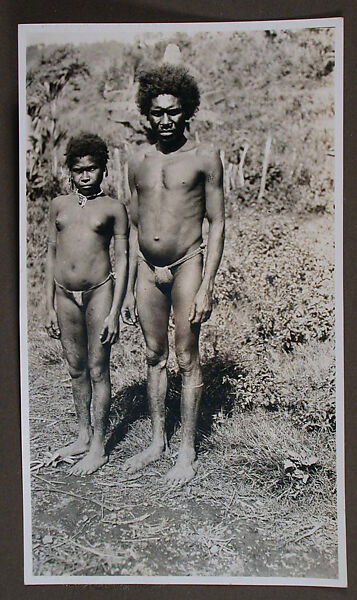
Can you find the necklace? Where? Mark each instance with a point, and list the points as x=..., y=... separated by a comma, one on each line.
x=82, y=200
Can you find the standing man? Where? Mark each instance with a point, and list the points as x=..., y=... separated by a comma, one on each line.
x=174, y=184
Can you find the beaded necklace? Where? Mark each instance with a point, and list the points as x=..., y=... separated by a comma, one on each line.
x=82, y=200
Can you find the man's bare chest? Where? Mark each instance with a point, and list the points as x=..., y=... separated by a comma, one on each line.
x=169, y=173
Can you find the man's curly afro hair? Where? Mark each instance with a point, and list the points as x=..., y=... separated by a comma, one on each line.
x=87, y=144
x=168, y=79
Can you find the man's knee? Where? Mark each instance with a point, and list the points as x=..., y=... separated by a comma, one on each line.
x=98, y=373
x=187, y=360
x=156, y=358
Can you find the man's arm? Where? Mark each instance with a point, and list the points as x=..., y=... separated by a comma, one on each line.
x=110, y=331
x=129, y=305
x=52, y=327
x=202, y=306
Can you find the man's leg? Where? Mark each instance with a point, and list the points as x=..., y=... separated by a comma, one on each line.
x=188, y=279
x=98, y=308
x=153, y=309
x=74, y=343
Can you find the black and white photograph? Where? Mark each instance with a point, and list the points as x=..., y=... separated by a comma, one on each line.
x=181, y=303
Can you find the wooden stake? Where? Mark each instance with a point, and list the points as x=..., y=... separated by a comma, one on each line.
x=241, y=165
x=265, y=166
x=234, y=176
x=230, y=180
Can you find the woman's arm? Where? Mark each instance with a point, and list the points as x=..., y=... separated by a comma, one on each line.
x=52, y=327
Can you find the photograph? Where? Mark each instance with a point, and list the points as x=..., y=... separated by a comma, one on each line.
x=181, y=303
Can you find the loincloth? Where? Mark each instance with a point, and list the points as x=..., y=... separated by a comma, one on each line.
x=164, y=275
x=78, y=296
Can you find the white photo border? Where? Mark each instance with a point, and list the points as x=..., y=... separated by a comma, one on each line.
x=70, y=32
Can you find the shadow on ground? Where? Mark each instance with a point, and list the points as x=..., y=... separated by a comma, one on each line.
x=130, y=404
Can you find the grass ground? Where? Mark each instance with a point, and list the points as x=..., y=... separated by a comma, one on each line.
x=248, y=512
x=263, y=501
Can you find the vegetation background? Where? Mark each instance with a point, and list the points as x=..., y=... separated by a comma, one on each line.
x=264, y=499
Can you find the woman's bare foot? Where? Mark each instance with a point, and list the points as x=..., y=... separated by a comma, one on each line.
x=140, y=460
x=80, y=445
x=184, y=470
x=91, y=462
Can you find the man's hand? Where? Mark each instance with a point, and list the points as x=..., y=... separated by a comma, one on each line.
x=128, y=311
x=202, y=307
x=110, y=329
x=52, y=327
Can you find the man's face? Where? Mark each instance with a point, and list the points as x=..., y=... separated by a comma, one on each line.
x=167, y=118
x=87, y=175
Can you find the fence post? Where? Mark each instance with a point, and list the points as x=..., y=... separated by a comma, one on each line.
x=265, y=166
x=241, y=165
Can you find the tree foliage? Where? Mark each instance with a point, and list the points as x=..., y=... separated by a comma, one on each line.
x=57, y=69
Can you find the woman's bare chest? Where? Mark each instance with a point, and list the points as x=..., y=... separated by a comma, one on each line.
x=78, y=220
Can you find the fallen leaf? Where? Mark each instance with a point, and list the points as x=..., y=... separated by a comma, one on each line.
x=47, y=539
x=289, y=466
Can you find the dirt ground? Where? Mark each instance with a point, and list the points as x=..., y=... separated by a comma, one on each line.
x=109, y=524
x=238, y=517
x=81, y=529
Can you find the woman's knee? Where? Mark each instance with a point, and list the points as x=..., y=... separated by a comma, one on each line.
x=77, y=370
x=156, y=357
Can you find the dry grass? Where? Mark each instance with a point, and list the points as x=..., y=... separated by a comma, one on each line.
x=246, y=512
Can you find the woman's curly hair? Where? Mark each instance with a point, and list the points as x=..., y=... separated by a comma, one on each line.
x=87, y=144
x=168, y=79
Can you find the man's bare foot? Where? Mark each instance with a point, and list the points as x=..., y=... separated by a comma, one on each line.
x=80, y=445
x=91, y=462
x=140, y=460
x=184, y=470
